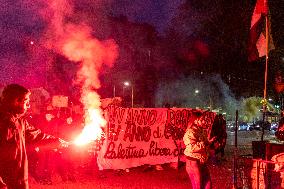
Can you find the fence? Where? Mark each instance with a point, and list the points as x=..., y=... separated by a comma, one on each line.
x=257, y=174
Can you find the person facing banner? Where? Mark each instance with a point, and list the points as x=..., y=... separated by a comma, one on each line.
x=197, y=142
x=218, y=146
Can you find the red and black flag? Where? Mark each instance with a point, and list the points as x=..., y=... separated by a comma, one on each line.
x=257, y=44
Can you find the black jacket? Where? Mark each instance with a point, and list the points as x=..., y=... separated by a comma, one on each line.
x=15, y=131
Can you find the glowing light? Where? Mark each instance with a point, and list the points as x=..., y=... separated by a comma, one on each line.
x=126, y=83
x=80, y=46
x=76, y=42
x=92, y=130
x=32, y=42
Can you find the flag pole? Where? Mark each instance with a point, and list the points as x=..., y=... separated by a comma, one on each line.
x=266, y=67
x=266, y=56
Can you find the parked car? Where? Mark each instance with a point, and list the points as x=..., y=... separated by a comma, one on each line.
x=243, y=126
x=274, y=126
x=259, y=124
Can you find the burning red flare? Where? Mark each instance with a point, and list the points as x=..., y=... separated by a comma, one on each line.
x=75, y=41
x=79, y=46
x=92, y=129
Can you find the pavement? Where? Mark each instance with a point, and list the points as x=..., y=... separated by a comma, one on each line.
x=165, y=176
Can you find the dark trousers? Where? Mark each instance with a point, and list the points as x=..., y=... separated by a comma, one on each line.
x=199, y=174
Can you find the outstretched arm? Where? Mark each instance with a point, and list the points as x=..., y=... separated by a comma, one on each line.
x=36, y=135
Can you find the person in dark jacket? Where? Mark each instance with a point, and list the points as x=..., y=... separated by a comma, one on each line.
x=15, y=132
x=218, y=146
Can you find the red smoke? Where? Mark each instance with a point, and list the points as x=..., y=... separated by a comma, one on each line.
x=75, y=41
x=195, y=51
x=201, y=48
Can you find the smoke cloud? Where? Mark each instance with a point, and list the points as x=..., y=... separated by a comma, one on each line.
x=75, y=41
x=202, y=92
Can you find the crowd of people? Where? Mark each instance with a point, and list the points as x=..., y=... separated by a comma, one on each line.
x=16, y=130
x=62, y=122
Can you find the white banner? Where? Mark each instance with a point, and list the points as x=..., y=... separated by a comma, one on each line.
x=138, y=136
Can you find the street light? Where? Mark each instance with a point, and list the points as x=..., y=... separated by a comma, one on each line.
x=126, y=84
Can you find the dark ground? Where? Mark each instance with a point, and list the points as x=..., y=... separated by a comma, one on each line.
x=221, y=173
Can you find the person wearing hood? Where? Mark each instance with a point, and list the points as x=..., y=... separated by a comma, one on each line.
x=15, y=133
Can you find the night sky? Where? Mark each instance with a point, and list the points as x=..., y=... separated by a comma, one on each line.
x=21, y=23
x=218, y=27
x=158, y=13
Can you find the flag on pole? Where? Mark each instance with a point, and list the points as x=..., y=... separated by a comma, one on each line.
x=257, y=40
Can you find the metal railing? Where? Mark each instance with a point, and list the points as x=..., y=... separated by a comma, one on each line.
x=257, y=174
